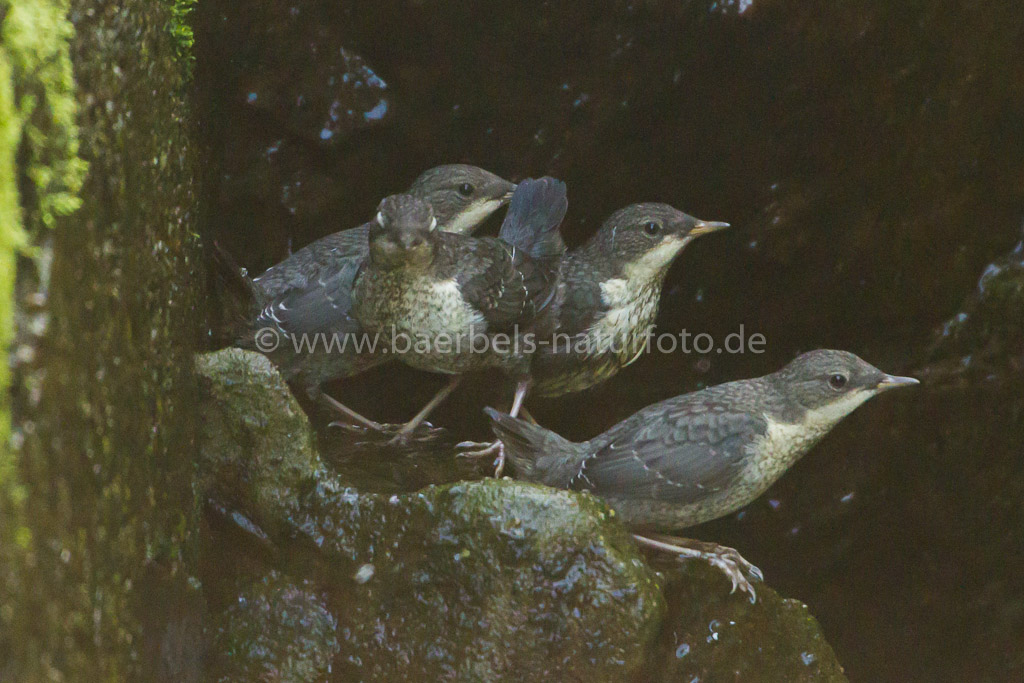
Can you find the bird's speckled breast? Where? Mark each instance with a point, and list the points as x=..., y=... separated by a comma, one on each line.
x=614, y=341
x=784, y=443
x=424, y=320
x=622, y=330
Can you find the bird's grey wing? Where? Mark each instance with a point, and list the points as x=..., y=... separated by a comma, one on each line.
x=676, y=451
x=491, y=282
x=317, y=260
x=323, y=305
x=583, y=305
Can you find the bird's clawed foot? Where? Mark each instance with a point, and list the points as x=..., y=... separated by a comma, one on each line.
x=400, y=436
x=736, y=568
x=728, y=560
x=475, y=449
x=393, y=436
x=400, y=439
x=406, y=432
x=409, y=434
x=353, y=419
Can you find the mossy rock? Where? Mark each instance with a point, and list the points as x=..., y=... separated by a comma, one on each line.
x=257, y=449
x=709, y=635
x=277, y=630
x=490, y=580
x=478, y=581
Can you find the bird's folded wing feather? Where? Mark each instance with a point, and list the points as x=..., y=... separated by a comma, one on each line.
x=320, y=298
x=491, y=282
x=583, y=303
x=318, y=260
x=674, y=452
x=324, y=305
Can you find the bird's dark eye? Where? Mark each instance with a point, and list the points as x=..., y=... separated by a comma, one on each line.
x=837, y=381
x=465, y=189
x=652, y=228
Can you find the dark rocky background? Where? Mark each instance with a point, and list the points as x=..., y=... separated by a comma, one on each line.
x=869, y=156
x=169, y=525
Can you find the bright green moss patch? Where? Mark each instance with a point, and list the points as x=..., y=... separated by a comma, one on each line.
x=39, y=119
x=40, y=171
x=181, y=29
x=12, y=235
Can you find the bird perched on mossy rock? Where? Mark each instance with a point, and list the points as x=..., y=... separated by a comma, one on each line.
x=702, y=455
x=304, y=304
x=463, y=303
x=610, y=293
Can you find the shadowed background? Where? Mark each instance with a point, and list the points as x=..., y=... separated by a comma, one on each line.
x=869, y=158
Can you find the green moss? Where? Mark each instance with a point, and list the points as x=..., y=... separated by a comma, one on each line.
x=257, y=446
x=36, y=35
x=181, y=29
x=37, y=129
x=12, y=235
x=97, y=514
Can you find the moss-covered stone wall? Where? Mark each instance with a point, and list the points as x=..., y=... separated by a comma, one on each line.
x=97, y=514
x=40, y=170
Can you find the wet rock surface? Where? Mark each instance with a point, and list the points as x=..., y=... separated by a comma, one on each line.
x=276, y=630
x=984, y=341
x=709, y=636
x=478, y=580
x=484, y=581
x=294, y=96
x=289, y=63
x=257, y=448
x=867, y=155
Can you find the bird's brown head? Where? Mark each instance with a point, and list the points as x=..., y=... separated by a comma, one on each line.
x=400, y=232
x=640, y=241
x=461, y=195
x=829, y=384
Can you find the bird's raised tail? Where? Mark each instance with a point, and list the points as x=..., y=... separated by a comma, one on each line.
x=238, y=297
x=538, y=454
x=233, y=274
x=534, y=214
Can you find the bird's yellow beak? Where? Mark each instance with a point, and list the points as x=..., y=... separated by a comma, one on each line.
x=704, y=227
x=893, y=381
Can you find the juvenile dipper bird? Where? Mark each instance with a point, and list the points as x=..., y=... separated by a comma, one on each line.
x=310, y=292
x=611, y=288
x=703, y=455
x=463, y=303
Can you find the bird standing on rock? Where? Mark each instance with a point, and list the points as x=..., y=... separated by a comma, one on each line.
x=462, y=303
x=702, y=455
x=608, y=297
x=610, y=292
x=310, y=292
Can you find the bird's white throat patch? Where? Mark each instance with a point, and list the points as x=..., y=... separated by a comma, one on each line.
x=472, y=216
x=828, y=416
x=632, y=300
x=788, y=441
x=654, y=263
x=785, y=442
